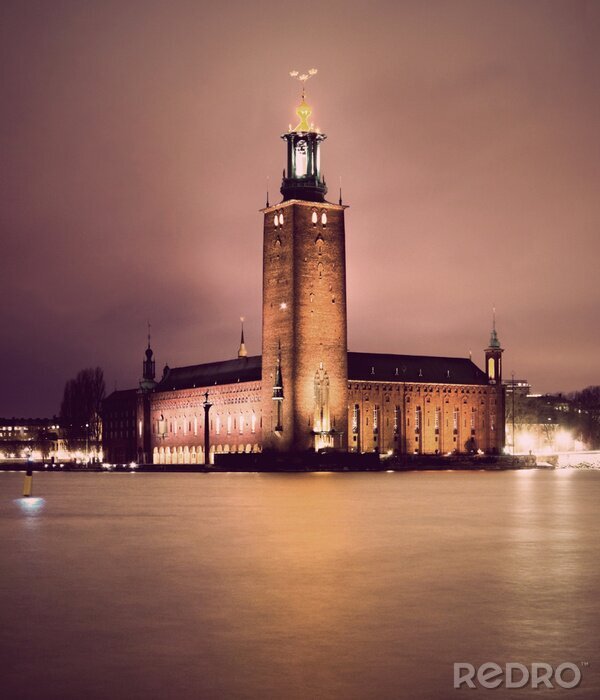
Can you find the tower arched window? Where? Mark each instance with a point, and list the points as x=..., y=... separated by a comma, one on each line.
x=314, y=217
x=324, y=218
x=301, y=158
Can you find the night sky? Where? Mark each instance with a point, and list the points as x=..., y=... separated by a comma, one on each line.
x=136, y=139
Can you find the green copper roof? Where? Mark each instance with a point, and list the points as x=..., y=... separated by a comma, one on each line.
x=494, y=342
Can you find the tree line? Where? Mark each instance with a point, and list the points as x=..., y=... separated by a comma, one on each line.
x=80, y=409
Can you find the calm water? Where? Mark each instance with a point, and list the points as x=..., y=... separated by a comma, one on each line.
x=295, y=586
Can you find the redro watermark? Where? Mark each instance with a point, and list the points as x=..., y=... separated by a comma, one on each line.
x=516, y=675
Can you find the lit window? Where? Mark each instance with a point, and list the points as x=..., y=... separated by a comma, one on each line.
x=281, y=219
x=375, y=418
x=324, y=218
x=301, y=159
x=355, y=418
x=276, y=220
x=315, y=218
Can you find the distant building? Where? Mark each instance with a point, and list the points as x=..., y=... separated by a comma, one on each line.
x=306, y=391
x=542, y=423
x=40, y=438
x=520, y=387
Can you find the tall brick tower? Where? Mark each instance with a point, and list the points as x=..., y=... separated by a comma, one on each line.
x=304, y=347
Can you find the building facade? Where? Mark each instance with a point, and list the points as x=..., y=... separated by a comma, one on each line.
x=306, y=391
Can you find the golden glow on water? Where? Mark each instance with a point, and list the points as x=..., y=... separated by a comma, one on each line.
x=296, y=586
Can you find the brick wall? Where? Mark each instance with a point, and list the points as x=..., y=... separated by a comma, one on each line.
x=304, y=307
x=426, y=418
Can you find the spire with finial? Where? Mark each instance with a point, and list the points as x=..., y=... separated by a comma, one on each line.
x=493, y=355
x=302, y=178
x=148, y=371
x=242, y=352
x=303, y=110
x=494, y=342
x=268, y=191
x=340, y=190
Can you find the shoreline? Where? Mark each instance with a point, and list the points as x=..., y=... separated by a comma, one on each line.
x=301, y=464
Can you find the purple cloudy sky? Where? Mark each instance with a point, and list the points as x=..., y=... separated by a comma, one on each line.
x=136, y=138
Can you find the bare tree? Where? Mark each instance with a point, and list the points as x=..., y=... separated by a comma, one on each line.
x=585, y=412
x=80, y=408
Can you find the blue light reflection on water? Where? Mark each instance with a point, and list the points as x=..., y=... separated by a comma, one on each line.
x=31, y=506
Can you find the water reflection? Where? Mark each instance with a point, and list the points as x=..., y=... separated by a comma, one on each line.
x=30, y=506
x=295, y=586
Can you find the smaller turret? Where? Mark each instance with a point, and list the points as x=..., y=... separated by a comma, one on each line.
x=148, y=370
x=493, y=356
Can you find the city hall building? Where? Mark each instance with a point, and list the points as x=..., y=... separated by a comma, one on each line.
x=306, y=391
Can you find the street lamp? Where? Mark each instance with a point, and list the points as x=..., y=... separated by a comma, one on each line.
x=87, y=437
x=513, y=413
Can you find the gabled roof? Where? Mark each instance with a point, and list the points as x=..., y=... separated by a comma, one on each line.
x=362, y=366
x=376, y=367
x=242, y=369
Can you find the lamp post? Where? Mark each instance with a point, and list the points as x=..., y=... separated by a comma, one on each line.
x=87, y=437
x=207, y=405
x=513, y=413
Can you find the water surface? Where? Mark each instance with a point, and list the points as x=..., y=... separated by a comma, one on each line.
x=295, y=586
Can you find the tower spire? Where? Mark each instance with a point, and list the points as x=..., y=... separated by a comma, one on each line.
x=494, y=342
x=242, y=352
x=148, y=369
x=302, y=178
x=493, y=355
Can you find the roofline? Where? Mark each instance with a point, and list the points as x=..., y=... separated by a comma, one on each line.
x=304, y=203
